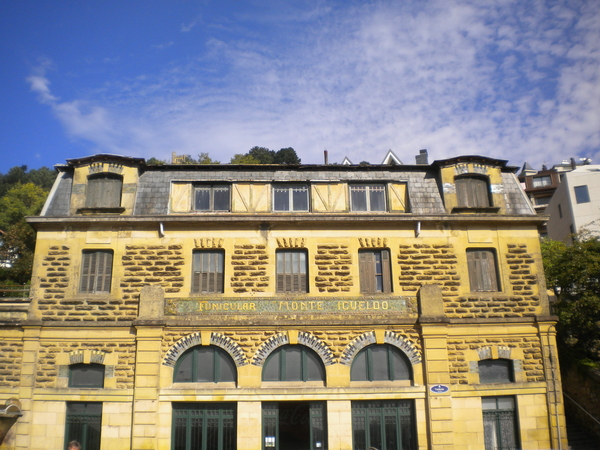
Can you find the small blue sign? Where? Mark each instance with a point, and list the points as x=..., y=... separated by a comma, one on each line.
x=439, y=388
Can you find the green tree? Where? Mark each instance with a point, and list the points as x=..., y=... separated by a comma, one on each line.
x=286, y=156
x=240, y=158
x=204, y=158
x=573, y=272
x=262, y=154
x=154, y=160
x=17, y=240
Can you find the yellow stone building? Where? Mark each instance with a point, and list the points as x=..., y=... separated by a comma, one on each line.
x=321, y=307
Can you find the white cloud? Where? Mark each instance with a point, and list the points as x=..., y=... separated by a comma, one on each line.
x=455, y=77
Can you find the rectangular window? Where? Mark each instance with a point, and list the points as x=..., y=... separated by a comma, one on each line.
x=375, y=271
x=559, y=211
x=542, y=200
x=204, y=426
x=367, y=197
x=542, y=181
x=290, y=197
x=96, y=271
x=291, y=271
x=386, y=425
x=294, y=425
x=499, y=423
x=104, y=191
x=472, y=192
x=207, y=275
x=483, y=273
x=84, y=421
x=212, y=197
x=582, y=194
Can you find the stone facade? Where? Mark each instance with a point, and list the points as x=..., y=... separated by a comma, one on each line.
x=143, y=317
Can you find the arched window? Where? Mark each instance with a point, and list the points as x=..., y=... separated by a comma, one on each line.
x=86, y=375
x=293, y=363
x=204, y=364
x=496, y=371
x=104, y=191
x=380, y=363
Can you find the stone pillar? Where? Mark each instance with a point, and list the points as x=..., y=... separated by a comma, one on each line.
x=31, y=346
x=339, y=425
x=147, y=383
x=249, y=426
x=434, y=329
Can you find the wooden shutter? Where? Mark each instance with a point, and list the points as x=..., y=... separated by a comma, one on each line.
x=96, y=271
x=104, y=192
x=386, y=271
x=482, y=270
x=472, y=192
x=207, y=272
x=366, y=263
x=291, y=272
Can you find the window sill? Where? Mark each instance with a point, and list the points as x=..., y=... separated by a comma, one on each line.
x=475, y=209
x=91, y=211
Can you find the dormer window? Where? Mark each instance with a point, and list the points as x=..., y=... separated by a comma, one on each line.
x=367, y=197
x=473, y=192
x=104, y=191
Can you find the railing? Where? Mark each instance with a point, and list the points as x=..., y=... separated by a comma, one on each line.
x=14, y=293
x=582, y=408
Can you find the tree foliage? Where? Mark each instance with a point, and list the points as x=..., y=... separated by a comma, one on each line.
x=573, y=272
x=262, y=155
x=22, y=193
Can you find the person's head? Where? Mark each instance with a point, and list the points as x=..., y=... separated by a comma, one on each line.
x=73, y=445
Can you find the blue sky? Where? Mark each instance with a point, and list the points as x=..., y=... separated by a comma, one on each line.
x=512, y=79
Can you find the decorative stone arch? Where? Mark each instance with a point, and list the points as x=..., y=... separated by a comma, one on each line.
x=317, y=345
x=268, y=346
x=409, y=349
x=194, y=339
x=487, y=353
x=369, y=338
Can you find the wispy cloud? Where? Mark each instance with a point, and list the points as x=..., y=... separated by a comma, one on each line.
x=509, y=79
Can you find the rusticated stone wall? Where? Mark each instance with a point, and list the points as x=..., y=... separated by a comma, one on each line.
x=428, y=264
x=333, y=262
x=459, y=366
x=160, y=265
x=520, y=299
x=48, y=369
x=249, y=268
x=53, y=283
x=11, y=358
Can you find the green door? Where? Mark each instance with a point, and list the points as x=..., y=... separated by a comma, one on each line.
x=294, y=426
x=383, y=425
x=204, y=426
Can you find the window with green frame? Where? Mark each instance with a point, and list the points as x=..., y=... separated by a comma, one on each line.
x=383, y=425
x=204, y=426
x=499, y=423
x=379, y=363
x=205, y=364
x=86, y=375
x=293, y=363
x=83, y=424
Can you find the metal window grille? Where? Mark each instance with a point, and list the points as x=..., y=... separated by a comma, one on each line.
x=384, y=425
x=204, y=426
x=83, y=424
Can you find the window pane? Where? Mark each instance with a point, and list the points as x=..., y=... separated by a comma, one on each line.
x=495, y=371
x=183, y=369
x=379, y=362
x=315, y=369
x=86, y=375
x=205, y=364
x=359, y=367
x=581, y=194
x=377, y=198
x=293, y=363
x=221, y=194
x=281, y=199
x=271, y=369
x=358, y=198
x=227, y=368
x=300, y=198
x=401, y=369
x=203, y=199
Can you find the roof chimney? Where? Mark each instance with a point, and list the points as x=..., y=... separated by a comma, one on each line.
x=573, y=164
x=326, y=156
x=422, y=157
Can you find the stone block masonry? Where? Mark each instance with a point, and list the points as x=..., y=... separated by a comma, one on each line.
x=422, y=264
x=11, y=357
x=151, y=264
x=250, y=264
x=333, y=263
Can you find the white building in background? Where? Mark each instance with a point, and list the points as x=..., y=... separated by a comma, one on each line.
x=575, y=206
